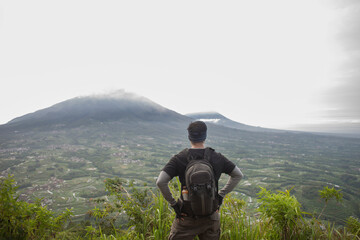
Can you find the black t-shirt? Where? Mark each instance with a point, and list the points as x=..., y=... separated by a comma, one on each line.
x=177, y=164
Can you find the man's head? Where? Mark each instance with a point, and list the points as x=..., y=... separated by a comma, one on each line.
x=197, y=131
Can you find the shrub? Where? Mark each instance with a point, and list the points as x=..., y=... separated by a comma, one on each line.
x=284, y=213
x=329, y=193
x=22, y=220
x=235, y=224
x=353, y=226
x=147, y=214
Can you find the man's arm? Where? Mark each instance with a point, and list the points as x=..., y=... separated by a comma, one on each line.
x=163, y=184
x=235, y=176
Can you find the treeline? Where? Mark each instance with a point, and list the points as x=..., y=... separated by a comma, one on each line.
x=5, y=164
x=139, y=213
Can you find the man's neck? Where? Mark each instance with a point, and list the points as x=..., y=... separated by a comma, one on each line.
x=198, y=145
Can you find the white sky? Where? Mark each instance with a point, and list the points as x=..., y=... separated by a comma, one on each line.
x=263, y=63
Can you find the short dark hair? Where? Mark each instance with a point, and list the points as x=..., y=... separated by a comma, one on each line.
x=197, y=131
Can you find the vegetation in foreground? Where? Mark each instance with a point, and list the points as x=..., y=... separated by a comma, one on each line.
x=139, y=213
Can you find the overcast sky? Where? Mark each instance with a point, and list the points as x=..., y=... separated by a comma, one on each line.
x=281, y=64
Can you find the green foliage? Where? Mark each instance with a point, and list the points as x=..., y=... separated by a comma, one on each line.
x=353, y=225
x=130, y=212
x=147, y=214
x=235, y=223
x=163, y=218
x=93, y=194
x=22, y=220
x=74, y=174
x=330, y=193
x=283, y=211
x=5, y=164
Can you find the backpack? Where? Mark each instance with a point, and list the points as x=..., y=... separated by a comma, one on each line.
x=200, y=182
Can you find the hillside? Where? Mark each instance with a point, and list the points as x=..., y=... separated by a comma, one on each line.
x=117, y=106
x=63, y=154
x=218, y=119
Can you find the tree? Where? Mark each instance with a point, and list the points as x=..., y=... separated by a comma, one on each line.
x=329, y=193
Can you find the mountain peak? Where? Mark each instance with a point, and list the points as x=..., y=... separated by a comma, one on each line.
x=117, y=94
x=114, y=106
x=122, y=99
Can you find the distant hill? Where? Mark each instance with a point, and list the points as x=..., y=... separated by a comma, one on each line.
x=217, y=118
x=116, y=106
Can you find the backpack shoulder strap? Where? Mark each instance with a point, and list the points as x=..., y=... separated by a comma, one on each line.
x=207, y=154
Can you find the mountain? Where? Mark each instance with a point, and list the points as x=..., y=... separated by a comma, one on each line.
x=217, y=118
x=116, y=106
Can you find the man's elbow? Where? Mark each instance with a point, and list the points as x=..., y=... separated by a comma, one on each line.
x=162, y=180
x=237, y=174
x=158, y=183
x=241, y=175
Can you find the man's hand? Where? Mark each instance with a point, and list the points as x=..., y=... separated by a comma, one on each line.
x=177, y=209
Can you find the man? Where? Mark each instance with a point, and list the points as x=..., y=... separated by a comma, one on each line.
x=186, y=225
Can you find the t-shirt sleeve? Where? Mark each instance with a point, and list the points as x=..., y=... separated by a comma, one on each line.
x=228, y=166
x=171, y=168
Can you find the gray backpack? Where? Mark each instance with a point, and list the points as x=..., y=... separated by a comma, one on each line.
x=200, y=182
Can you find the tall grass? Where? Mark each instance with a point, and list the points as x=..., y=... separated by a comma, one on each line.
x=147, y=215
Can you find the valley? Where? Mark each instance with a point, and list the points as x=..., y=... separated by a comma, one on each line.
x=67, y=168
